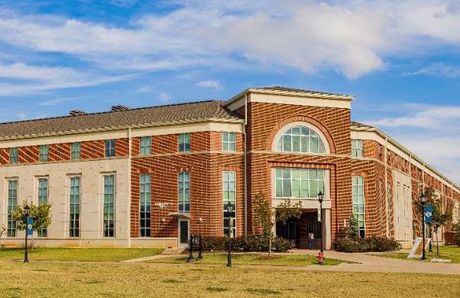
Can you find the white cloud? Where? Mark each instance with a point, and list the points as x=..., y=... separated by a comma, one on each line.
x=439, y=70
x=164, y=97
x=352, y=37
x=212, y=84
x=23, y=79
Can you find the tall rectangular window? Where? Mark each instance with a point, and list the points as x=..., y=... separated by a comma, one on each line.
x=184, y=142
x=42, y=198
x=75, y=190
x=358, y=203
x=75, y=151
x=43, y=152
x=229, y=141
x=110, y=148
x=299, y=183
x=146, y=146
x=145, y=205
x=12, y=203
x=184, y=192
x=14, y=155
x=229, y=197
x=357, y=148
x=109, y=205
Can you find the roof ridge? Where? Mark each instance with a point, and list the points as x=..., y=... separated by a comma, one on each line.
x=109, y=112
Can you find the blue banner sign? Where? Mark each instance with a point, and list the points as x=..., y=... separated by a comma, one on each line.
x=428, y=213
x=29, y=229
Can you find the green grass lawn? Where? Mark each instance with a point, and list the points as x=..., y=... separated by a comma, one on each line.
x=251, y=259
x=445, y=252
x=70, y=279
x=78, y=254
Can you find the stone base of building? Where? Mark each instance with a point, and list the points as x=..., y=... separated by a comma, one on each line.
x=94, y=243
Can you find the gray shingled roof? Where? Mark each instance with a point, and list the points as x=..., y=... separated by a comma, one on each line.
x=106, y=120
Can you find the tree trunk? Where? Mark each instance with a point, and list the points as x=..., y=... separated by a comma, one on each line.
x=437, y=243
x=270, y=244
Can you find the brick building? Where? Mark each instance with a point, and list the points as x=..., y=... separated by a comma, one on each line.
x=151, y=176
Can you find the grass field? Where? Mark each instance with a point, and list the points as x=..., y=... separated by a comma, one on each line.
x=446, y=252
x=71, y=279
x=252, y=259
x=78, y=254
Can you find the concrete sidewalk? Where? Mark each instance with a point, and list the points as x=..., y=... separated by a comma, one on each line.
x=367, y=263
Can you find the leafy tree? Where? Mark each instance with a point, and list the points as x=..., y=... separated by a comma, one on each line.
x=40, y=214
x=265, y=215
x=352, y=230
x=440, y=216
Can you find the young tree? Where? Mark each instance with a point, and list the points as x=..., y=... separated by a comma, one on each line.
x=267, y=217
x=2, y=232
x=41, y=216
x=440, y=216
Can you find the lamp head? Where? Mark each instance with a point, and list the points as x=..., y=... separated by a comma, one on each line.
x=320, y=197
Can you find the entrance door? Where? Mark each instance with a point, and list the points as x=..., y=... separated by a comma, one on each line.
x=183, y=232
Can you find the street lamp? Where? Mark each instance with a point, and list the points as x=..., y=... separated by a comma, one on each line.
x=26, y=252
x=423, y=200
x=320, y=199
x=230, y=208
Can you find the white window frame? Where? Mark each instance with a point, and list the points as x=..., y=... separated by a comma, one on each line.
x=145, y=149
x=113, y=219
x=183, y=195
x=313, y=128
x=75, y=154
x=11, y=225
x=325, y=188
x=79, y=204
x=229, y=141
x=44, y=153
x=14, y=158
x=144, y=197
x=357, y=148
x=359, y=202
x=108, y=148
x=226, y=187
x=183, y=139
x=43, y=232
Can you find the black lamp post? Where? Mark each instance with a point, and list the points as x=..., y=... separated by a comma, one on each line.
x=320, y=199
x=26, y=251
x=230, y=209
x=423, y=200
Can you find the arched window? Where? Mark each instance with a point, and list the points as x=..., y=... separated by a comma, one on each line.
x=300, y=138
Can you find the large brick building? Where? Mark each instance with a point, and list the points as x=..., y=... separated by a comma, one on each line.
x=150, y=176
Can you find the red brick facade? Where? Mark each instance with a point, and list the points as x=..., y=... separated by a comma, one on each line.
x=206, y=161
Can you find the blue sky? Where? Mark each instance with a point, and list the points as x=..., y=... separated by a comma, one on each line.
x=400, y=59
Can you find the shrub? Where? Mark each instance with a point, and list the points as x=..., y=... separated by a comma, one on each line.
x=456, y=228
x=365, y=245
x=247, y=243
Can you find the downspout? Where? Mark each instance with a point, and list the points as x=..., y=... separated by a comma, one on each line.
x=245, y=175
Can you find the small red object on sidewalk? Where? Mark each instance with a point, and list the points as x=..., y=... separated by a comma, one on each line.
x=320, y=258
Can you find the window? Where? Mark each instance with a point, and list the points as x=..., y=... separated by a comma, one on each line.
x=109, y=205
x=42, y=198
x=12, y=202
x=300, y=139
x=145, y=209
x=146, y=145
x=184, y=192
x=75, y=151
x=229, y=196
x=43, y=152
x=109, y=148
x=74, y=227
x=229, y=141
x=13, y=155
x=299, y=183
x=357, y=148
x=184, y=142
x=358, y=203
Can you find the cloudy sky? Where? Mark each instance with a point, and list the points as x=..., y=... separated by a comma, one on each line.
x=401, y=59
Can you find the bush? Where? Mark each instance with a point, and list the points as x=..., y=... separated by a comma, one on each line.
x=456, y=228
x=247, y=243
x=365, y=245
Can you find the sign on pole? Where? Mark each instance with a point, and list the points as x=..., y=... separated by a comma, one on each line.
x=29, y=229
x=428, y=213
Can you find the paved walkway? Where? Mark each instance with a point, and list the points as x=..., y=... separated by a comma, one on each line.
x=367, y=263
x=362, y=262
